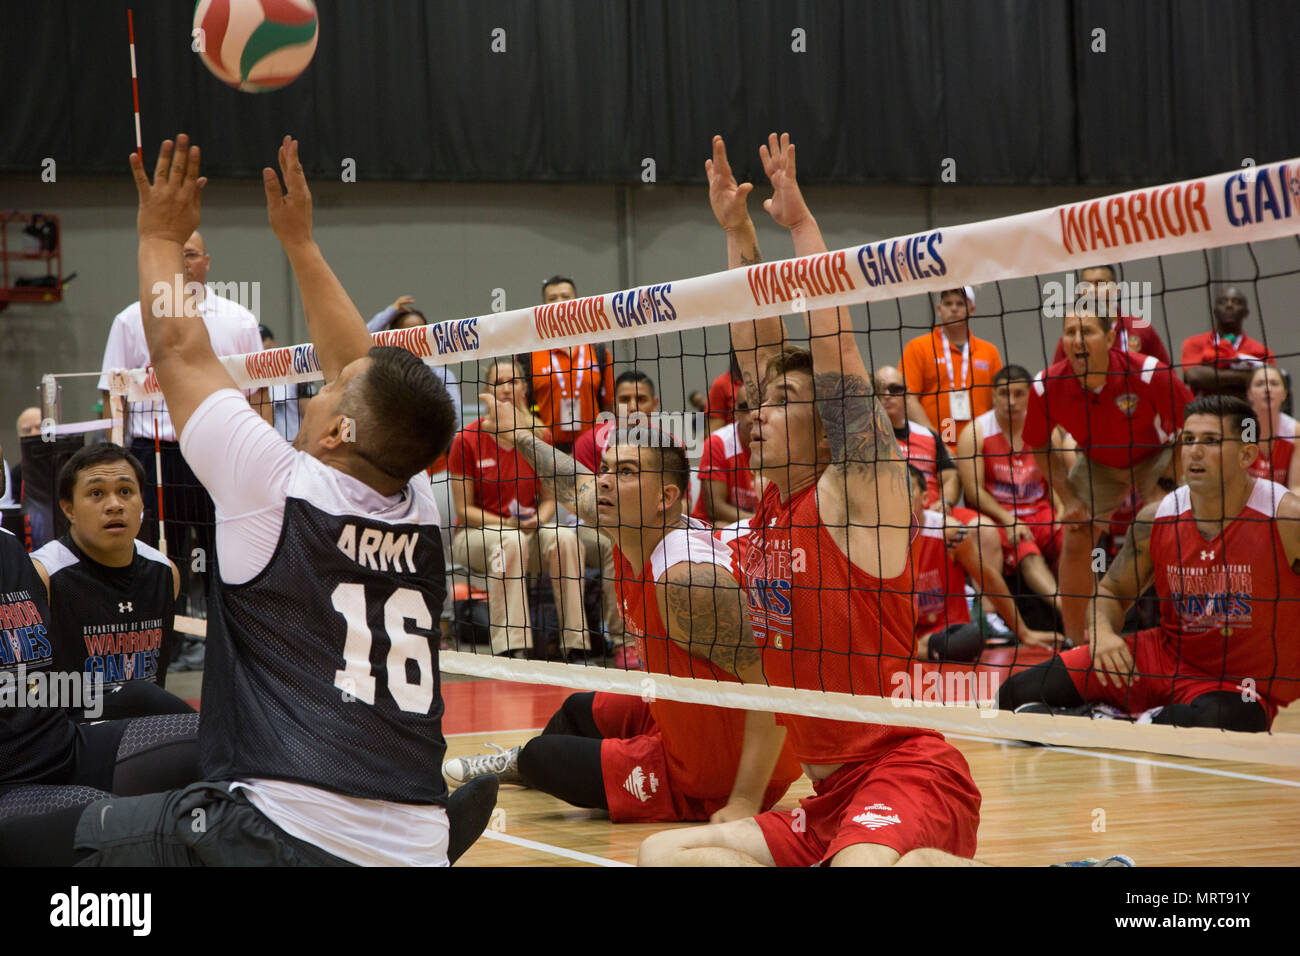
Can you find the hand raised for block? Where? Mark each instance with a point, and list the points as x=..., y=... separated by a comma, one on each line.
x=787, y=205
x=289, y=210
x=169, y=207
x=726, y=196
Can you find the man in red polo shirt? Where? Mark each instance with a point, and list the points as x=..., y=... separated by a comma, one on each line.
x=570, y=386
x=1221, y=362
x=1123, y=410
x=920, y=446
x=1131, y=335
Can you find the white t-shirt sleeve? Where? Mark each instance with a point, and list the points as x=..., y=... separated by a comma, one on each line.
x=114, y=351
x=245, y=466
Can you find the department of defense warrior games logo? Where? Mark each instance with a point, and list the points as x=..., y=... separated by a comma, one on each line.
x=1127, y=403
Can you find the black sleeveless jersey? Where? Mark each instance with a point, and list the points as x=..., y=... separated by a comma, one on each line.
x=112, y=624
x=34, y=740
x=323, y=669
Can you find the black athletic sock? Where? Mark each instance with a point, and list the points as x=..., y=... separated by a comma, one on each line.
x=575, y=717
x=469, y=810
x=1223, y=709
x=565, y=767
x=44, y=840
x=1047, y=683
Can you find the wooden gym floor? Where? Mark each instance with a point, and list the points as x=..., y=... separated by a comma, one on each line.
x=1041, y=804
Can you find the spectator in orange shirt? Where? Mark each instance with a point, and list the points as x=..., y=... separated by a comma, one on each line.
x=1222, y=361
x=949, y=373
x=570, y=387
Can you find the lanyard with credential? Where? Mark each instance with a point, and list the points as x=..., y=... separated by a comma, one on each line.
x=578, y=373
x=965, y=360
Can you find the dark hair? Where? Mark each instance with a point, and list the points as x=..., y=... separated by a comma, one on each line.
x=635, y=375
x=1114, y=273
x=674, y=469
x=403, y=314
x=103, y=454
x=265, y=332
x=1237, y=410
x=918, y=476
x=1012, y=373
x=404, y=416
x=556, y=280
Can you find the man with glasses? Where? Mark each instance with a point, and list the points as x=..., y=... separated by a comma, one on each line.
x=919, y=445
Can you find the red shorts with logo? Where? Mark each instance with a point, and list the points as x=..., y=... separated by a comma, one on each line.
x=919, y=795
x=634, y=767
x=1159, y=677
x=1046, y=540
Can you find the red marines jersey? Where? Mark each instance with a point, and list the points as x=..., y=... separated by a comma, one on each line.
x=1011, y=477
x=702, y=743
x=824, y=625
x=1276, y=465
x=1230, y=605
x=921, y=448
x=726, y=459
x=938, y=581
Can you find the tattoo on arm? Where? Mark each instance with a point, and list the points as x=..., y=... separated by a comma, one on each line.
x=1131, y=572
x=857, y=428
x=572, y=484
x=706, y=618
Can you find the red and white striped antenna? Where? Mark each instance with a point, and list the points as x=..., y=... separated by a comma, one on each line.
x=135, y=85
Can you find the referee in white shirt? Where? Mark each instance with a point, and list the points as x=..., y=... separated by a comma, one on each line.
x=233, y=330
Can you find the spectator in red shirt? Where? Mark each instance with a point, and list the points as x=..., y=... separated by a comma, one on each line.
x=1131, y=335
x=920, y=446
x=1221, y=362
x=1124, y=411
x=728, y=490
x=506, y=529
x=722, y=396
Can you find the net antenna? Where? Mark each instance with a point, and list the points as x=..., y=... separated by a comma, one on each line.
x=135, y=85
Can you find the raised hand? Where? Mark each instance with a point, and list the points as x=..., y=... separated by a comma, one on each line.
x=289, y=212
x=786, y=206
x=500, y=419
x=169, y=208
x=726, y=196
x=402, y=302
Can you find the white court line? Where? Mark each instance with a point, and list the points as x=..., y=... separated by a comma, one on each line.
x=489, y=733
x=1145, y=760
x=553, y=850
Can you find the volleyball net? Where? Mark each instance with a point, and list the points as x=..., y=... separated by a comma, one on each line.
x=532, y=590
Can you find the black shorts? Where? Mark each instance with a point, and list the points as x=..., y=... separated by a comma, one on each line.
x=206, y=824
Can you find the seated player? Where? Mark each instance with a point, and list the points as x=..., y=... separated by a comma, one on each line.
x=1222, y=361
x=920, y=446
x=507, y=530
x=112, y=597
x=723, y=393
x=945, y=551
x=634, y=393
x=1123, y=410
x=1275, y=429
x=727, y=487
x=1002, y=481
x=838, y=485
x=1223, y=552
x=654, y=760
x=50, y=763
x=321, y=733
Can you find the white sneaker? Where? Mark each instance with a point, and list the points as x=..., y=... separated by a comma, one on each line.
x=503, y=763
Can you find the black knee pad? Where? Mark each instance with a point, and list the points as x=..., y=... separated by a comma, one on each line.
x=957, y=642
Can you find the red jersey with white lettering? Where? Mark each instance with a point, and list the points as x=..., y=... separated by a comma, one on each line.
x=1230, y=606
x=920, y=447
x=702, y=743
x=1011, y=477
x=938, y=581
x=824, y=624
x=503, y=482
x=726, y=459
x=1133, y=416
x=1276, y=465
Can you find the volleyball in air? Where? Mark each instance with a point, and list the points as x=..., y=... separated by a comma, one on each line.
x=255, y=45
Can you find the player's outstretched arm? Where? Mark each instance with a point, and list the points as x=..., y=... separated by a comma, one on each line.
x=333, y=322
x=705, y=612
x=1129, y=575
x=188, y=370
x=872, y=476
x=572, y=485
x=754, y=341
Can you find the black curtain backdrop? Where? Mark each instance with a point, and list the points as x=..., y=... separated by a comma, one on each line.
x=588, y=89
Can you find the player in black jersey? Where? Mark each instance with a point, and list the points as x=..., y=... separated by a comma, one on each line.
x=112, y=597
x=48, y=762
x=321, y=737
